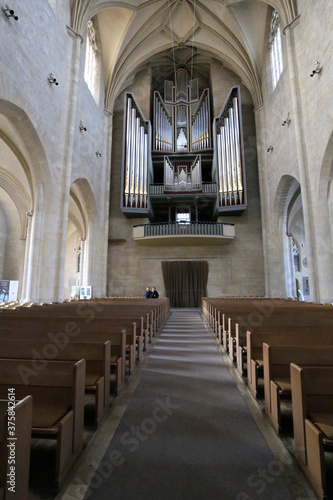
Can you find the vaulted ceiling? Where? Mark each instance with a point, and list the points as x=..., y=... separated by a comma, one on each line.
x=135, y=32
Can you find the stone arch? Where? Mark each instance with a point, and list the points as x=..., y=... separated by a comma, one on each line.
x=35, y=163
x=288, y=209
x=239, y=62
x=83, y=11
x=82, y=217
x=323, y=213
x=88, y=202
x=24, y=176
x=326, y=171
x=19, y=196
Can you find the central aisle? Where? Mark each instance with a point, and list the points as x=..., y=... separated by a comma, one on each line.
x=187, y=432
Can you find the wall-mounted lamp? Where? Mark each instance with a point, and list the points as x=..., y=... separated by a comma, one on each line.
x=317, y=69
x=9, y=12
x=270, y=149
x=51, y=79
x=30, y=214
x=98, y=154
x=286, y=121
x=82, y=127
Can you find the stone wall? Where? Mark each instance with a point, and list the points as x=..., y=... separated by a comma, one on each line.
x=53, y=150
x=302, y=151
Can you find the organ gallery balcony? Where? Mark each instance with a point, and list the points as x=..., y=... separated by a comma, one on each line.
x=192, y=233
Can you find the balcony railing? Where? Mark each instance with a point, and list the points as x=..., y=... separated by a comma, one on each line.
x=206, y=188
x=192, y=231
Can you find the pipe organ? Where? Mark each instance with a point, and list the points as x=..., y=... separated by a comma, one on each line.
x=136, y=157
x=182, y=176
x=228, y=164
x=182, y=120
x=178, y=166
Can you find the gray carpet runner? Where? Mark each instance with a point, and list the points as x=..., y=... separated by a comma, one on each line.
x=187, y=432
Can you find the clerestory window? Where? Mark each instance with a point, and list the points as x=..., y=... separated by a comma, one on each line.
x=275, y=47
x=91, y=62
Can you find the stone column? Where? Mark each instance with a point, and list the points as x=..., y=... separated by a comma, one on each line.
x=297, y=122
x=105, y=201
x=68, y=162
x=24, y=293
x=31, y=277
x=264, y=192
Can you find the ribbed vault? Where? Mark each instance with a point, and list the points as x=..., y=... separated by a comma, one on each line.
x=145, y=29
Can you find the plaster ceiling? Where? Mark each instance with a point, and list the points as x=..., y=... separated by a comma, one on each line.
x=134, y=33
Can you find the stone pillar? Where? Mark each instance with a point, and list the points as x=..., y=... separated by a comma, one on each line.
x=24, y=293
x=105, y=201
x=31, y=277
x=68, y=162
x=84, y=262
x=297, y=122
x=264, y=192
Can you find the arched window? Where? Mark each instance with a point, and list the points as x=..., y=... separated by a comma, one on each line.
x=90, y=68
x=275, y=48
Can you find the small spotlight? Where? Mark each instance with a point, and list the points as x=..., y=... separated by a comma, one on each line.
x=317, y=69
x=82, y=127
x=9, y=12
x=51, y=79
x=98, y=154
x=270, y=149
x=286, y=121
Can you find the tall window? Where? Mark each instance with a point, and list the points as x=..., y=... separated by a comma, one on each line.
x=275, y=47
x=90, y=68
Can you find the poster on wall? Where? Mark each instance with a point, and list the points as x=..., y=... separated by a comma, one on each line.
x=4, y=290
x=13, y=290
x=306, y=286
x=85, y=292
x=75, y=292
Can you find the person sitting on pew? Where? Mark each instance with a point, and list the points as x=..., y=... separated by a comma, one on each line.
x=154, y=293
x=147, y=294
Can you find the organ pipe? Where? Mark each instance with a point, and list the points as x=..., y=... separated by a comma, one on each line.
x=136, y=156
x=228, y=154
x=187, y=173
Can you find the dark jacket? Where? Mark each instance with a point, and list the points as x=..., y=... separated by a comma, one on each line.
x=147, y=294
x=154, y=294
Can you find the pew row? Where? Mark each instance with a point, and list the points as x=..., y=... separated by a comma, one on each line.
x=15, y=453
x=255, y=363
x=58, y=405
x=96, y=355
x=277, y=360
x=70, y=332
x=312, y=402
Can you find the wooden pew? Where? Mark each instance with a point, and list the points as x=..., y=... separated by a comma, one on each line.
x=277, y=360
x=18, y=450
x=57, y=389
x=255, y=350
x=312, y=402
x=96, y=355
x=71, y=333
x=40, y=323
